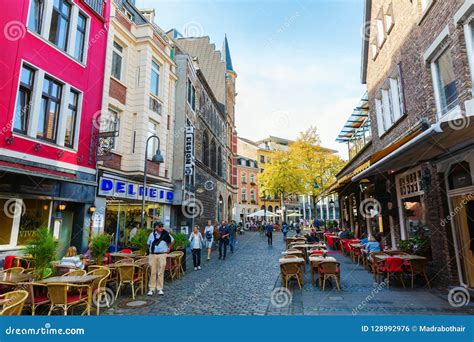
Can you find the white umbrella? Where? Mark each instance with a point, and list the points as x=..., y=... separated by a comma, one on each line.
x=293, y=215
x=261, y=213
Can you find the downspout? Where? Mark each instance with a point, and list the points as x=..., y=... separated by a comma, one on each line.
x=455, y=241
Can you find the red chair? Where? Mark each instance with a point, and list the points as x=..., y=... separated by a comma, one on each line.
x=330, y=241
x=317, y=252
x=126, y=251
x=392, y=266
x=8, y=262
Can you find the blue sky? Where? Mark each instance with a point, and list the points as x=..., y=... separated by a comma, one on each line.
x=298, y=62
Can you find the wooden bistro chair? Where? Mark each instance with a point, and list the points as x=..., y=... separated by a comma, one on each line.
x=179, y=258
x=14, y=270
x=392, y=266
x=130, y=274
x=13, y=305
x=291, y=270
x=64, y=296
x=328, y=270
x=417, y=267
x=98, y=286
x=37, y=295
x=22, y=262
x=124, y=261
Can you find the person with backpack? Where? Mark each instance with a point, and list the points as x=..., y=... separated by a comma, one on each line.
x=196, y=242
x=223, y=240
x=269, y=233
x=209, y=236
x=284, y=230
x=159, y=244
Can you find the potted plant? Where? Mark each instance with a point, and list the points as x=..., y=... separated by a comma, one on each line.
x=140, y=240
x=43, y=251
x=180, y=243
x=100, y=245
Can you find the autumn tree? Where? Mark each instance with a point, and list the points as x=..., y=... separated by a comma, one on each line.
x=317, y=166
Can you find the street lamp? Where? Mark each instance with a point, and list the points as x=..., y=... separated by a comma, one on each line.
x=158, y=159
x=265, y=205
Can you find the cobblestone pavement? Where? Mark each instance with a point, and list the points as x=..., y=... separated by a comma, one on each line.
x=243, y=285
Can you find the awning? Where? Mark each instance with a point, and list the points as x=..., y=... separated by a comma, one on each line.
x=358, y=117
x=346, y=179
x=442, y=138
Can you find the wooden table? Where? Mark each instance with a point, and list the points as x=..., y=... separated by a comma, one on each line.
x=288, y=260
x=124, y=255
x=85, y=280
x=406, y=257
x=290, y=252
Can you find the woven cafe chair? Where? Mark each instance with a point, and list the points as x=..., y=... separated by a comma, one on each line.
x=98, y=286
x=291, y=270
x=72, y=273
x=129, y=274
x=124, y=261
x=37, y=295
x=64, y=296
x=179, y=258
x=329, y=270
x=15, y=301
x=418, y=267
x=14, y=270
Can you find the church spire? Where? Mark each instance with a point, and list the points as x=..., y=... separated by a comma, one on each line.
x=226, y=56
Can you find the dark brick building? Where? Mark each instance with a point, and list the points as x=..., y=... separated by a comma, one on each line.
x=415, y=173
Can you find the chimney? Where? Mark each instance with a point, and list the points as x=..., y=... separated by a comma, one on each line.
x=149, y=14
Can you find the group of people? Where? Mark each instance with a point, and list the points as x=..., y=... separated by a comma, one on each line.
x=221, y=235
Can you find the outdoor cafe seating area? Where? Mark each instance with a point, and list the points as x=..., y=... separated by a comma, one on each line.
x=394, y=268
x=69, y=290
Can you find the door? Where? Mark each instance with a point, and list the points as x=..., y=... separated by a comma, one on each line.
x=65, y=232
x=463, y=208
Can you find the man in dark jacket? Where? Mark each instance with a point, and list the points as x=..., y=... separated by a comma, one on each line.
x=224, y=233
x=269, y=232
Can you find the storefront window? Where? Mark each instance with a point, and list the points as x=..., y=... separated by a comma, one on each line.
x=414, y=214
x=35, y=215
x=121, y=216
x=6, y=220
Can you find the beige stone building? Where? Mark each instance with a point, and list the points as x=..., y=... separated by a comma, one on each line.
x=139, y=93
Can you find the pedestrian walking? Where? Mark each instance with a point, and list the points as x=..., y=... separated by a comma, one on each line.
x=159, y=243
x=223, y=240
x=284, y=230
x=232, y=236
x=196, y=242
x=269, y=232
x=297, y=228
x=209, y=236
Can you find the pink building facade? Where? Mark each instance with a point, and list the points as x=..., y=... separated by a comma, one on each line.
x=51, y=78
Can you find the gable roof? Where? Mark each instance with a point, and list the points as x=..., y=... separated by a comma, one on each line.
x=210, y=62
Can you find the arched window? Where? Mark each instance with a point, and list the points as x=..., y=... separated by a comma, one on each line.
x=205, y=148
x=213, y=156
x=219, y=161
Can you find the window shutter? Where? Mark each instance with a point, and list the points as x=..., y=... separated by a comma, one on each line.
x=378, y=109
x=397, y=112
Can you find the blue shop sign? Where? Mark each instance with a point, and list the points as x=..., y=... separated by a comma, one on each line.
x=119, y=188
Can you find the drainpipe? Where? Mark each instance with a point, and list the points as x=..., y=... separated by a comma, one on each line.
x=455, y=241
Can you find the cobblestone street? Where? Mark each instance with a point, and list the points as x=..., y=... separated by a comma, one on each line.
x=243, y=284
